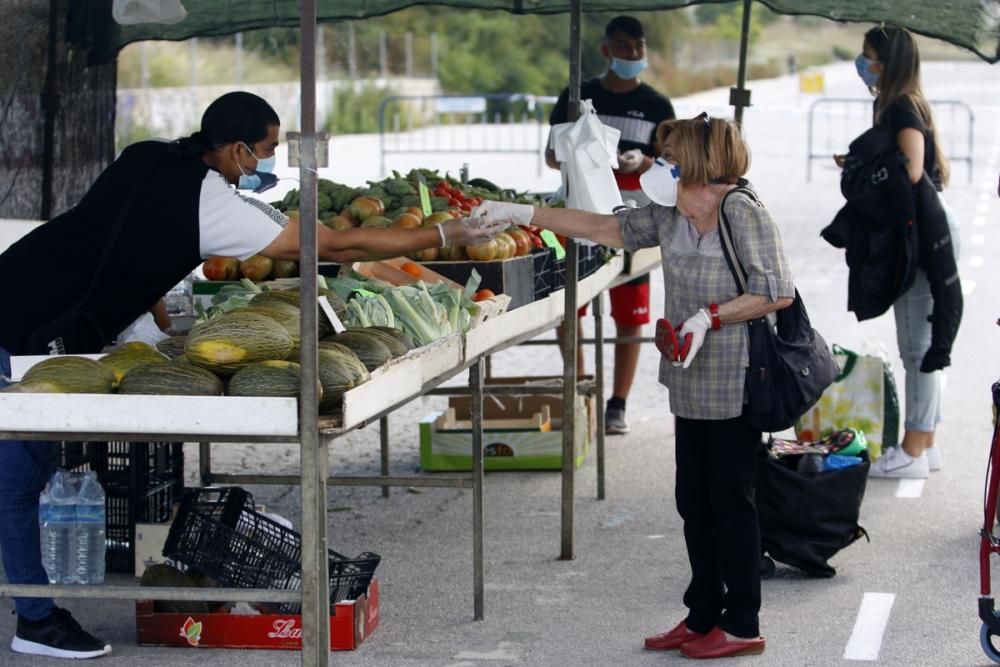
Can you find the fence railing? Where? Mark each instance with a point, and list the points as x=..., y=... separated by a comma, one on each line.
x=507, y=123
x=835, y=121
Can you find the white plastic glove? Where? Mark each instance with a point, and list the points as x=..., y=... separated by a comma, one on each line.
x=505, y=212
x=470, y=231
x=697, y=325
x=629, y=161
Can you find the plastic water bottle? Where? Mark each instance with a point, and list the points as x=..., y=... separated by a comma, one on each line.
x=57, y=521
x=90, y=526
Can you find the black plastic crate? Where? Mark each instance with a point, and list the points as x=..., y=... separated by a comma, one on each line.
x=217, y=532
x=542, y=268
x=141, y=481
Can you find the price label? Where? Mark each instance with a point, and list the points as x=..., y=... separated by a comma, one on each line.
x=327, y=309
x=551, y=241
x=365, y=293
x=425, y=195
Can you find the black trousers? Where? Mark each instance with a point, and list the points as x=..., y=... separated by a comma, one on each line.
x=716, y=476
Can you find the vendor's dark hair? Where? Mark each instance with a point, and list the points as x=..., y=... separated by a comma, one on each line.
x=626, y=24
x=238, y=116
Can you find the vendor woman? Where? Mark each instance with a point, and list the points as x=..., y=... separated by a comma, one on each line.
x=146, y=223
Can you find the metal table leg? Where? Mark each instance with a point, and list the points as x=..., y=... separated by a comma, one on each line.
x=598, y=306
x=383, y=437
x=205, y=463
x=476, y=386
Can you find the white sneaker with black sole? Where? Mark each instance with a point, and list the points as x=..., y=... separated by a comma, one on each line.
x=897, y=464
x=57, y=636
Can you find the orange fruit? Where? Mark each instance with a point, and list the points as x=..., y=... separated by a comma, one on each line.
x=483, y=294
x=412, y=268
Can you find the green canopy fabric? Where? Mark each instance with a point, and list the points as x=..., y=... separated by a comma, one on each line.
x=970, y=24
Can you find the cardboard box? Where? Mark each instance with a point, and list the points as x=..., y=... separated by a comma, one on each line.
x=149, y=540
x=516, y=433
x=351, y=623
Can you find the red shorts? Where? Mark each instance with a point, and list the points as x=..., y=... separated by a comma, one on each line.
x=629, y=304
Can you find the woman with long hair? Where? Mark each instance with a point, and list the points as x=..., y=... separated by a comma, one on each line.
x=889, y=66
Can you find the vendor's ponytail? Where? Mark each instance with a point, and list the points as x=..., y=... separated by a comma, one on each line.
x=191, y=146
x=237, y=116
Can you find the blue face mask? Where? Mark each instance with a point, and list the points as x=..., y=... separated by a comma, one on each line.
x=864, y=67
x=627, y=69
x=253, y=180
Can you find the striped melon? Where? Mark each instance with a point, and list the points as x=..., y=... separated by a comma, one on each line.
x=398, y=334
x=226, y=343
x=396, y=347
x=337, y=374
x=68, y=375
x=272, y=299
x=371, y=351
x=267, y=378
x=176, y=377
x=287, y=320
x=126, y=358
x=173, y=347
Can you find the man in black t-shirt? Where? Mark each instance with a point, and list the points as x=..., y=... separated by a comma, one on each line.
x=635, y=108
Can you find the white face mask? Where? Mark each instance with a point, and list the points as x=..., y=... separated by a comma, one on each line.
x=659, y=182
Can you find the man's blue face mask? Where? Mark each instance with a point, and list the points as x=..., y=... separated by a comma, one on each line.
x=261, y=178
x=627, y=69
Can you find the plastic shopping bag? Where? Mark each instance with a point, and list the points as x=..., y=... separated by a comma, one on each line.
x=587, y=151
x=862, y=397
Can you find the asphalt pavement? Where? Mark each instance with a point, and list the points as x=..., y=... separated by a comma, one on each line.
x=916, y=580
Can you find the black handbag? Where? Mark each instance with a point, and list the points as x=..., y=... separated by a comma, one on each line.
x=790, y=363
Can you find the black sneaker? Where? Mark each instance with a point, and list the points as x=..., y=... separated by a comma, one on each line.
x=614, y=422
x=58, y=636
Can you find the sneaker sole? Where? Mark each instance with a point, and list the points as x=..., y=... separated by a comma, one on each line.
x=19, y=645
x=611, y=430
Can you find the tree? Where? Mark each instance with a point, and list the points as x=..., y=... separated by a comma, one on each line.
x=57, y=114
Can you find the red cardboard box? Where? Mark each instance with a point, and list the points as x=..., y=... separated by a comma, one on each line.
x=350, y=624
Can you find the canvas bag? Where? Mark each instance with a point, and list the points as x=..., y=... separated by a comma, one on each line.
x=587, y=151
x=862, y=397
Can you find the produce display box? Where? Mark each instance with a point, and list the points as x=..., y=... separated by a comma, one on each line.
x=519, y=432
x=141, y=482
x=514, y=277
x=589, y=259
x=351, y=622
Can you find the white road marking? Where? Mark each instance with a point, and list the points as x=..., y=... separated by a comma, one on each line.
x=979, y=221
x=910, y=488
x=978, y=239
x=655, y=537
x=976, y=261
x=968, y=287
x=982, y=207
x=985, y=196
x=873, y=617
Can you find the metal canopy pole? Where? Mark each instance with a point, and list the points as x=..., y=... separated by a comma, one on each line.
x=313, y=453
x=739, y=96
x=570, y=320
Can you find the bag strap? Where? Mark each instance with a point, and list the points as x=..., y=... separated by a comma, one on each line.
x=726, y=236
x=852, y=359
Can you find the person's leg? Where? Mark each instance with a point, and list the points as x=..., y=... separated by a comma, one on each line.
x=630, y=311
x=732, y=446
x=922, y=390
x=26, y=469
x=704, y=594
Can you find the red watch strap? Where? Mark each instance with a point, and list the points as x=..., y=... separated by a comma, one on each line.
x=713, y=311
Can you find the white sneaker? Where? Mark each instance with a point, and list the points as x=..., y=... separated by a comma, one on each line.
x=933, y=458
x=898, y=464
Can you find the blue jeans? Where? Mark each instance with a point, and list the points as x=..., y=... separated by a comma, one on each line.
x=27, y=466
x=913, y=335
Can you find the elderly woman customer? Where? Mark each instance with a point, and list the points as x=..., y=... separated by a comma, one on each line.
x=700, y=171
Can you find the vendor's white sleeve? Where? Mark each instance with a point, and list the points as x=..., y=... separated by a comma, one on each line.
x=232, y=225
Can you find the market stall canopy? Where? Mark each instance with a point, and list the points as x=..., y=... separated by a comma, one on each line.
x=970, y=24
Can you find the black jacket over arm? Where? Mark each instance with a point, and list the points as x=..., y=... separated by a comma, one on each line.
x=889, y=229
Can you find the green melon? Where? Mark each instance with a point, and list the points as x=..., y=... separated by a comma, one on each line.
x=125, y=359
x=176, y=378
x=226, y=343
x=287, y=320
x=337, y=374
x=266, y=378
x=68, y=375
x=371, y=351
x=396, y=347
x=173, y=347
x=398, y=334
x=277, y=300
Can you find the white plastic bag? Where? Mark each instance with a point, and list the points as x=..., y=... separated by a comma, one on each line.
x=128, y=12
x=143, y=329
x=587, y=151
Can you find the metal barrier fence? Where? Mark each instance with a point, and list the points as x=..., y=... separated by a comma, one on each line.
x=477, y=123
x=835, y=121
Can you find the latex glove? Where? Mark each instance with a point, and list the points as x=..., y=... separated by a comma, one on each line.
x=629, y=161
x=471, y=231
x=697, y=325
x=499, y=211
x=935, y=360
